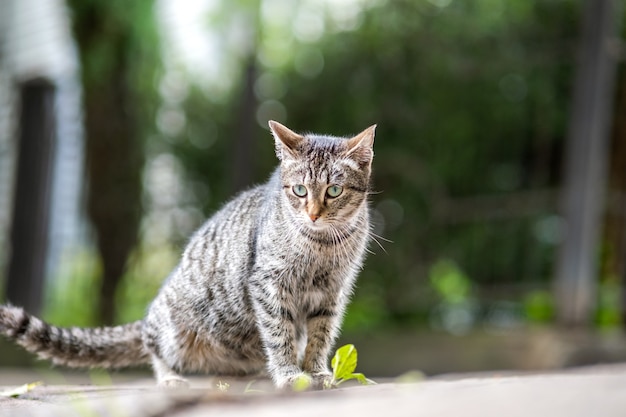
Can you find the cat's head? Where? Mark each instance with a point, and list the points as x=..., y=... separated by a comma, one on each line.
x=325, y=178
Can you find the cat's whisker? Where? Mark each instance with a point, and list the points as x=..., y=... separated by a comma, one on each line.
x=380, y=237
x=338, y=246
x=375, y=238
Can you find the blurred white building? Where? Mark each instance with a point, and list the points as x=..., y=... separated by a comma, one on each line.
x=36, y=43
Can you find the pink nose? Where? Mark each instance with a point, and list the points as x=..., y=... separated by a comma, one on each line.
x=314, y=217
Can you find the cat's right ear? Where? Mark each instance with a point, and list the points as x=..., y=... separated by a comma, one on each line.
x=286, y=141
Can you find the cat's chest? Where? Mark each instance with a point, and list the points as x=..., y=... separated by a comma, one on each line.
x=307, y=293
x=306, y=287
x=327, y=252
x=313, y=267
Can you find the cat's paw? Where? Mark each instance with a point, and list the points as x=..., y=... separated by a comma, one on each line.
x=303, y=381
x=322, y=380
x=298, y=382
x=173, y=382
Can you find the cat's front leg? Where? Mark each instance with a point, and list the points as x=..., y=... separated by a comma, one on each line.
x=322, y=329
x=278, y=334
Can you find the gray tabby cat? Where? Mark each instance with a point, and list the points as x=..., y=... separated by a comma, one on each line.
x=262, y=285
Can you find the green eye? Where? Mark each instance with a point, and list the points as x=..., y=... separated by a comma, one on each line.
x=299, y=190
x=334, y=191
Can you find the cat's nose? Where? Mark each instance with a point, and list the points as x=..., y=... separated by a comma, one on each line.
x=314, y=217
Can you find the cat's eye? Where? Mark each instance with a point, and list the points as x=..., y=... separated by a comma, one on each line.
x=334, y=191
x=299, y=190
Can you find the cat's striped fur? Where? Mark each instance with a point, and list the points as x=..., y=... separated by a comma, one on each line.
x=262, y=285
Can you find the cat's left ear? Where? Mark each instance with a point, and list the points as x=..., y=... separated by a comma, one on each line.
x=287, y=142
x=361, y=147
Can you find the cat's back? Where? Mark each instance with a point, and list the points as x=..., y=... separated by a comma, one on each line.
x=223, y=245
x=238, y=214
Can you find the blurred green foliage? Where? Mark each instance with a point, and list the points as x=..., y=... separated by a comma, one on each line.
x=118, y=49
x=450, y=283
x=471, y=101
x=72, y=299
x=609, y=310
x=539, y=306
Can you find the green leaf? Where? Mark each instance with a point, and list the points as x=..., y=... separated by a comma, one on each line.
x=249, y=389
x=362, y=379
x=359, y=377
x=16, y=392
x=344, y=362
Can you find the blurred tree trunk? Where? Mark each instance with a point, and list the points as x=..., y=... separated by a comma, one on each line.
x=31, y=209
x=245, y=145
x=586, y=164
x=244, y=153
x=615, y=222
x=106, y=35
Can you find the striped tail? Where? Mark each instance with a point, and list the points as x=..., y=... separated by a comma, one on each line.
x=101, y=347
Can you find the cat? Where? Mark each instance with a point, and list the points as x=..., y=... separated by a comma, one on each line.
x=261, y=286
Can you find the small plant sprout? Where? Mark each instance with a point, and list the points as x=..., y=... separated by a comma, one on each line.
x=249, y=389
x=344, y=364
x=222, y=386
x=21, y=390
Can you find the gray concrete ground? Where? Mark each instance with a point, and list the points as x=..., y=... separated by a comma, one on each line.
x=587, y=391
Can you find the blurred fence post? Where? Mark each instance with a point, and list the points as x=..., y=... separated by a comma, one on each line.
x=244, y=154
x=586, y=162
x=31, y=208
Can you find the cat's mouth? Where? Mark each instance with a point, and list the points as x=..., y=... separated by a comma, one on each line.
x=327, y=232
x=318, y=224
x=321, y=224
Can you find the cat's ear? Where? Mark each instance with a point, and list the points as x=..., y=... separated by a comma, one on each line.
x=287, y=142
x=361, y=147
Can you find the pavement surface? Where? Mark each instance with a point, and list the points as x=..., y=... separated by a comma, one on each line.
x=587, y=391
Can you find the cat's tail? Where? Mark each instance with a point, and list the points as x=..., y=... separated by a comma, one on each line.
x=101, y=347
